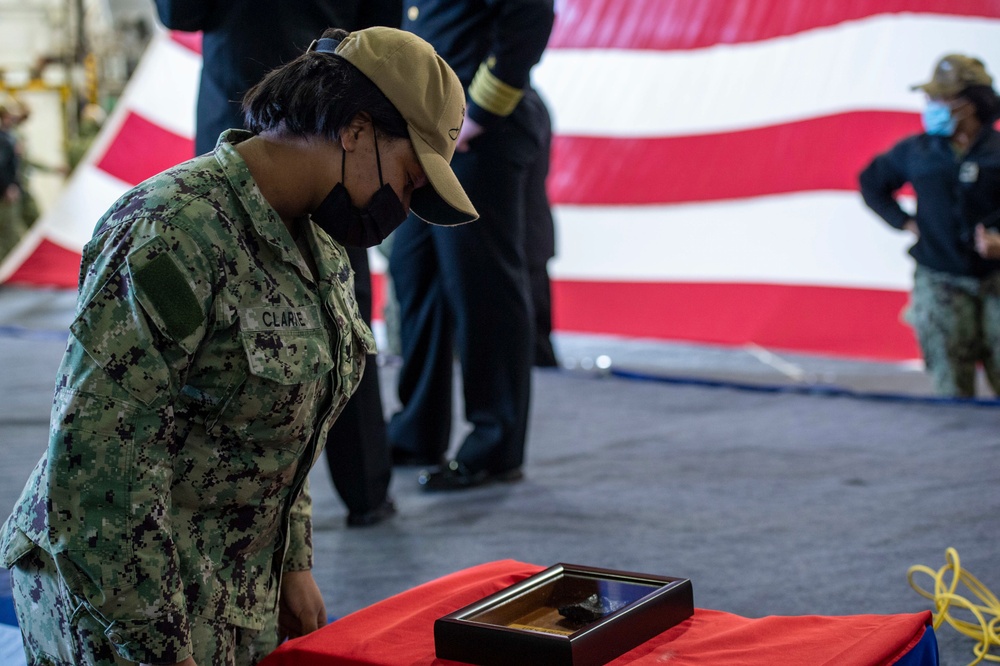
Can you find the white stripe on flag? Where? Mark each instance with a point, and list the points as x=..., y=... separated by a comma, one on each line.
x=90, y=192
x=165, y=92
x=858, y=65
x=812, y=238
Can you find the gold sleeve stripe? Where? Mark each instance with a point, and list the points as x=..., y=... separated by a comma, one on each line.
x=492, y=94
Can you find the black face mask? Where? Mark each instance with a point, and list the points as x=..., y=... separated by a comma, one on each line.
x=360, y=227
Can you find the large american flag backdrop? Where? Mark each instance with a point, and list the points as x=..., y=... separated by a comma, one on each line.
x=703, y=169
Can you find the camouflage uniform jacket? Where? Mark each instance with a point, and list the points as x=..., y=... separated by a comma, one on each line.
x=204, y=367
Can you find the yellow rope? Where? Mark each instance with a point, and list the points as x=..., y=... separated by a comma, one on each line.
x=986, y=633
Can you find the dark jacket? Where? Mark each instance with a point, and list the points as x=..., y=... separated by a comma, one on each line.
x=9, y=162
x=506, y=36
x=244, y=39
x=953, y=195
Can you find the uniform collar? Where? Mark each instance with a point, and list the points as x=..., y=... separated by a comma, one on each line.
x=334, y=275
x=264, y=219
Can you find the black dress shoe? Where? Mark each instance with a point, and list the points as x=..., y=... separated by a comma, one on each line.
x=456, y=476
x=384, y=511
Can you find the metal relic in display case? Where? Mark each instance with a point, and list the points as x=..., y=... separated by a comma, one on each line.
x=566, y=615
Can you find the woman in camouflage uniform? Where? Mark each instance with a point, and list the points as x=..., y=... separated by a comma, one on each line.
x=216, y=339
x=954, y=169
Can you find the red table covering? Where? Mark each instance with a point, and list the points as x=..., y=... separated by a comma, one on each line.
x=400, y=632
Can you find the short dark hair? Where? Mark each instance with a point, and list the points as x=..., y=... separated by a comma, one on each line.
x=985, y=101
x=318, y=94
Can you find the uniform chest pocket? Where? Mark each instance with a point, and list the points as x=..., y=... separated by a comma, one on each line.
x=288, y=373
x=288, y=357
x=286, y=345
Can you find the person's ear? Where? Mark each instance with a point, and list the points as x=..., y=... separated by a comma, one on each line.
x=351, y=134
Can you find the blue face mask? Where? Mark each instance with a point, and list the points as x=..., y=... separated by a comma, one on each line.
x=938, y=120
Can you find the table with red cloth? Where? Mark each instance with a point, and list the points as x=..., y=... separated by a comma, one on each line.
x=400, y=632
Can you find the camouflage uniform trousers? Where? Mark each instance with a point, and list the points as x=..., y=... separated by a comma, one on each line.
x=957, y=322
x=57, y=630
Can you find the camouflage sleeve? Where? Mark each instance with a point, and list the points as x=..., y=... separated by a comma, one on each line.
x=143, y=310
x=356, y=346
x=299, y=556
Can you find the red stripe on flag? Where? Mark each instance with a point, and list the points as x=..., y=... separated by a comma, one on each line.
x=50, y=265
x=827, y=320
x=189, y=40
x=683, y=24
x=817, y=154
x=142, y=149
x=378, y=294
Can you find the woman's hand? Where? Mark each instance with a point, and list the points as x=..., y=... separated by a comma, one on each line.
x=470, y=130
x=987, y=242
x=301, y=609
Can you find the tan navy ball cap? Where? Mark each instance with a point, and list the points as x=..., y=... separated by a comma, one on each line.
x=953, y=74
x=429, y=96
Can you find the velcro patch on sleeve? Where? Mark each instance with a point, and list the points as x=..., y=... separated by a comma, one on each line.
x=165, y=292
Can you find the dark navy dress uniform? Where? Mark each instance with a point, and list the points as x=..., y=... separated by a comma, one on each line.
x=464, y=290
x=242, y=40
x=540, y=245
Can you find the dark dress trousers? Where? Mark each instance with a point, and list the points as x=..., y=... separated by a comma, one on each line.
x=464, y=290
